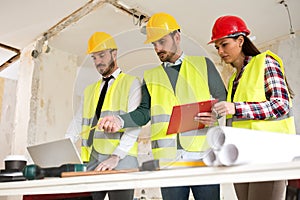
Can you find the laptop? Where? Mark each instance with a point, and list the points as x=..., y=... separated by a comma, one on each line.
x=55, y=153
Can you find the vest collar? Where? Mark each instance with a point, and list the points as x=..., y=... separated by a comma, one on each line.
x=177, y=62
x=116, y=73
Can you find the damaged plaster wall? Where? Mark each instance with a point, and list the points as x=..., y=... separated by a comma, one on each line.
x=7, y=105
x=2, y=80
x=52, y=92
x=23, y=109
x=38, y=106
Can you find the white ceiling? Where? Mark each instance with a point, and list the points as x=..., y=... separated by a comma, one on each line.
x=22, y=22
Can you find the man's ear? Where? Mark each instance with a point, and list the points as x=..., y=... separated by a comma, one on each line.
x=177, y=37
x=114, y=53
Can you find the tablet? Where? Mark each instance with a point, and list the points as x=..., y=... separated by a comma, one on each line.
x=182, y=117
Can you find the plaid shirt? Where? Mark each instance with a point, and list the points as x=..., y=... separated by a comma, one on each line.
x=277, y=103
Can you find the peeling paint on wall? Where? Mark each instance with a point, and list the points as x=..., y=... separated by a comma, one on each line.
x=52, y=95
x=1, y=95
x=7, y=104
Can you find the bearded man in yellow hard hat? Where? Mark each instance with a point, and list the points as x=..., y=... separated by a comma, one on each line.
x=180, y=79
x=116, y=93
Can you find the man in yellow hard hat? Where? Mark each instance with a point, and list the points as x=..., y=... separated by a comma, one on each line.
x=102, y=151
x=180, y=79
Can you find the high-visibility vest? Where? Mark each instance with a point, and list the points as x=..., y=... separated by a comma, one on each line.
x=191, y=86
x=115, y=103
x=251, y=89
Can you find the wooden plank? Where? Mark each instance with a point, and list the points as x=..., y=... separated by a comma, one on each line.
x=90, y=173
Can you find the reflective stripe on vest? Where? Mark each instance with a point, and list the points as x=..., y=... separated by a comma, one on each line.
x=102, y=135
x=251, y=89
x=115, y=103
x=191, y=86
x=86, y=121
x=160, y=118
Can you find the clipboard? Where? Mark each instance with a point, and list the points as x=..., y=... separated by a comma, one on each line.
x=182, y=117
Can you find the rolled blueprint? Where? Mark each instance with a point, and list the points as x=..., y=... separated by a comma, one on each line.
x=215, y=137
x=243, y=146
x=211, y=158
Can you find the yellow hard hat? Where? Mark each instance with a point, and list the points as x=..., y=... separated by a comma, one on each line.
x=159, y=25
x=100, y=41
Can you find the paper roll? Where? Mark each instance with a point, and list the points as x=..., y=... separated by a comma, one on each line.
x=215, y=137
x=228, y=155
x=241, y=146
x=211, y=158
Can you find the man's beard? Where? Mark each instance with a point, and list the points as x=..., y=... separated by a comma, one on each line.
x=110, y=68
x=169, y=54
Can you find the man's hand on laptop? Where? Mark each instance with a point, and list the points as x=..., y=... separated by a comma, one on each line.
x=110, y=124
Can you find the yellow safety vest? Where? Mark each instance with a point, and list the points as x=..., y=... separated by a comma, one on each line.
x=192, y=86
x=115, y=103
x=251, y=89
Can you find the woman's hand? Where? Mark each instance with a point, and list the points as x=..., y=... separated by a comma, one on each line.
x=224, y=108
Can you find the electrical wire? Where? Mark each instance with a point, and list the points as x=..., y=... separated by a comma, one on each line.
x=292, y=32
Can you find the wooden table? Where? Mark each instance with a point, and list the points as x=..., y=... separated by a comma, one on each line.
x=164, y=177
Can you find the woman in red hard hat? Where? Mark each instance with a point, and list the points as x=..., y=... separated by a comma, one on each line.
x=258, y=95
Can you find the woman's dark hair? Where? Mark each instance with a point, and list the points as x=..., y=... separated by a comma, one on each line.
x=249, y=49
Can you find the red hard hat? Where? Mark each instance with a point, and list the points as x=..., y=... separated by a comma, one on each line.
x=227, y=26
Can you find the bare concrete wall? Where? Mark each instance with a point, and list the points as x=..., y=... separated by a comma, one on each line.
x=288, y=48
